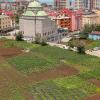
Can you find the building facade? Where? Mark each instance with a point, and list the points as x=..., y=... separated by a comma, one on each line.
x=70, y=4
x=89, y=18
x=35, y=22
x=6, y=23
x=97, y=4
x=94, y=36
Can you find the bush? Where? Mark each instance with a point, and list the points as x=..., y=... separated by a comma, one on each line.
x=81, y=49
x=19, y=37
x=43, y=43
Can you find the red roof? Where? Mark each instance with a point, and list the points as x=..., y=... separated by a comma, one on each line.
x=95, y=33
x=53, y=13
x=8, y=13
x=66, y=11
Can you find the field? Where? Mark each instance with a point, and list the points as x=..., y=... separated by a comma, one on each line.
x=46, y=73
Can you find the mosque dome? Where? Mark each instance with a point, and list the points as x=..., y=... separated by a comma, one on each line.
x=34, y=4
x=41, y=13
x=28, y=13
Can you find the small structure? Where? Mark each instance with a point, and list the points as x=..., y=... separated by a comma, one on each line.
x=94, y=35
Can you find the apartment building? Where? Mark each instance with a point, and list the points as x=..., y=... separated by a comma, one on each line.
x=70, y=4
x=58, y=4
x=6, y=23
x=97, y=4
x=89, y=18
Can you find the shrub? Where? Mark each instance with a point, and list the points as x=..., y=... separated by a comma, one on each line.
x=81, y=49
x=19, y=37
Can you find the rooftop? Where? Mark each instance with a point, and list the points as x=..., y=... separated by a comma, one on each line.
x=95, y=33
x=34, y=4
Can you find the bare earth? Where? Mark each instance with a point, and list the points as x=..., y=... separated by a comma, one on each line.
x=9, y=52
x=61, y=71
x=95, y=82
x=94, y=97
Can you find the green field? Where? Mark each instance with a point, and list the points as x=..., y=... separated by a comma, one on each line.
x=18, y=69
x=43, y=58
x=72, y=88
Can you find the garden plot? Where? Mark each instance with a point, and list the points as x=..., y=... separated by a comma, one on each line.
x=2, y=43
x=61, y=71
x=10, y=52
x=95, y=81
x=94, y=97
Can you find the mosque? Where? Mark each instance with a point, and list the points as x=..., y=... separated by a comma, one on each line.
x=35, y=22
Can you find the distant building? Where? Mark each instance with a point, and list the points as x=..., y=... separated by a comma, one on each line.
x=6, y=23
x=67, y=19
x=70, y=4
x=89, y=18
x=94, y=35
x=97, y=4
x=35, y=21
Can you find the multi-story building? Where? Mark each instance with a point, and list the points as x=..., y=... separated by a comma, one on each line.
x=6, y=23
x=89, y=18
x=97, y=4
x=70, y=4
x=58, y=4
x=77, y=4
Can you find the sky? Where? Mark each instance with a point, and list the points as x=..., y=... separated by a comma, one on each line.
x=47, y=1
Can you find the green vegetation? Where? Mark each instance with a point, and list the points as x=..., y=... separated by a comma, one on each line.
x=19, y=36
x=40, y=58
x=89, y=44
x=19, y=44
x=88, y=29
x=9, y=91
x=72, y=88
x=43, y=58
x=32, y=62
x=93, y=44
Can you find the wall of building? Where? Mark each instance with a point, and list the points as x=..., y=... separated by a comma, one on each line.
x=89, y=19
x=94, y=37
x=6, y=22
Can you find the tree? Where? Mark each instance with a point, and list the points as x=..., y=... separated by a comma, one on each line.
x=19, y=36
x=81, y=48
x=43, y=41
x=88, y=29
x=83, y=35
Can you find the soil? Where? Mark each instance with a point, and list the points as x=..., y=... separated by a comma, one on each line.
x=95, y=82
x=22, y=81
x=94, y=97
x=2, y=43
x=61, y=71
x=9, y=52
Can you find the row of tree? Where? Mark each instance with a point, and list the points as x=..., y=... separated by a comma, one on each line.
x=88, y=29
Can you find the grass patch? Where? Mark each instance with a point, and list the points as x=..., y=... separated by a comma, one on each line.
x=19, y=44
x=9, y=91
x=72, y=88
x=93, y=44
